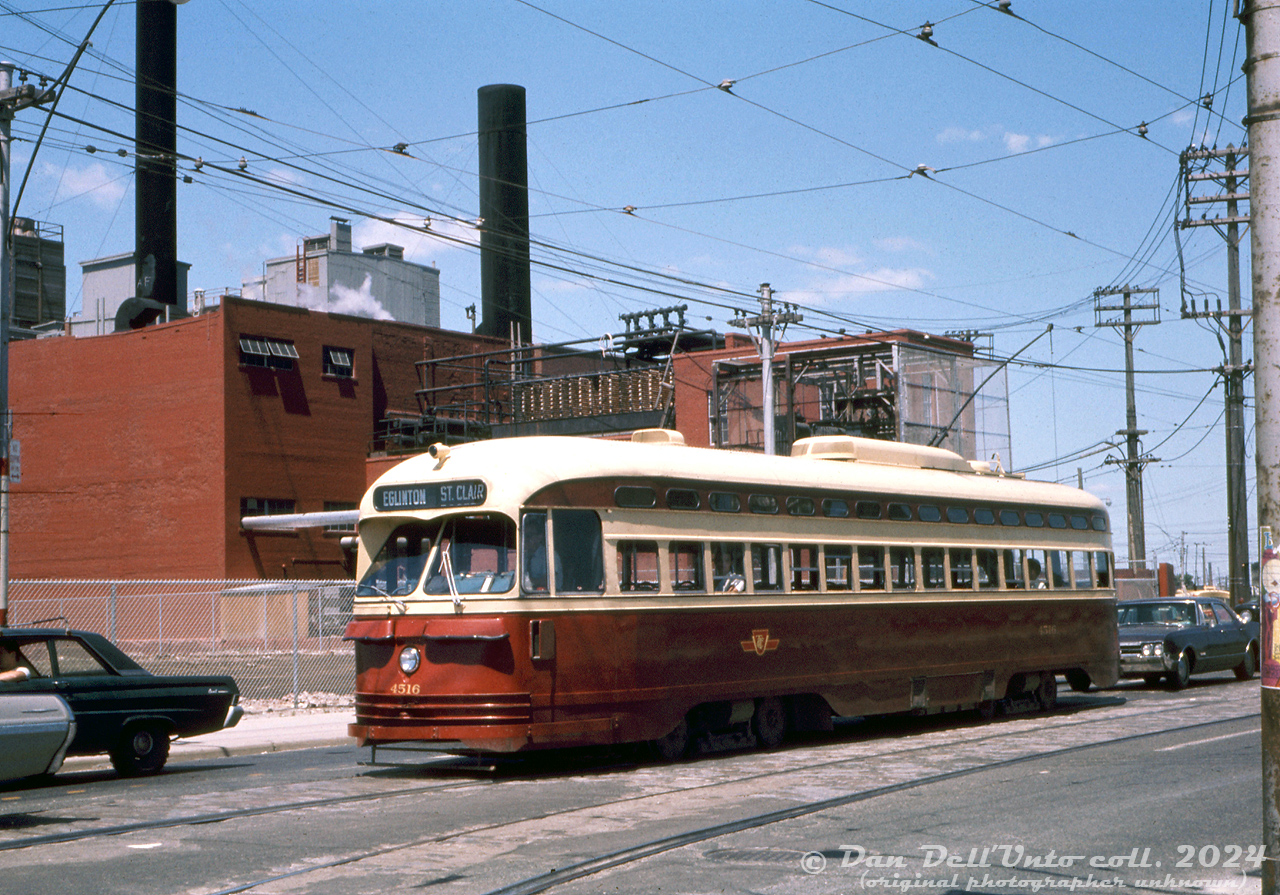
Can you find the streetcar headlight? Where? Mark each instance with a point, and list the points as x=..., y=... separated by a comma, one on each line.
x=409, y=660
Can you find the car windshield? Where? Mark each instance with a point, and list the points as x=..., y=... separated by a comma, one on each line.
x=1158, y=614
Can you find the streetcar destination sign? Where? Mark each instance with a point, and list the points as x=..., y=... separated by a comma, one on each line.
x=469, y=493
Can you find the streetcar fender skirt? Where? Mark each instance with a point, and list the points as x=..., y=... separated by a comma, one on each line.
x=492, y=738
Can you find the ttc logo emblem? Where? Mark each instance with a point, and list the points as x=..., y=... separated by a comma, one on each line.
x=760, y=642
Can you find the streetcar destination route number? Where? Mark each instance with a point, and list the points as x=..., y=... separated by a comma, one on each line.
x=468, y=493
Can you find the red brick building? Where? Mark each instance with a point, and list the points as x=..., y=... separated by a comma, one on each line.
x=141, y=450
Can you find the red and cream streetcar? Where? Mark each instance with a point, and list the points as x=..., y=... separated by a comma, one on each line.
x=527, y=593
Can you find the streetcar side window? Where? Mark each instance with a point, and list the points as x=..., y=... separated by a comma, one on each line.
x=871, y=568
x=1080, y=569
x=685, y=564
x=766, y=567
x=577, y=551
x=804, y=567
x=1013, y=570
x=902, y=567
x=727, y=568
x=637, y=565
x=533, y=555
x=1059, y=568
x=838, y=562
x=961, y=568
x=1035, y=569
x=933, y=562
x=988, y=568
x=1102, y=568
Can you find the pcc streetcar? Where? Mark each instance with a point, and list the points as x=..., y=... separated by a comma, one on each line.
x=536, y=592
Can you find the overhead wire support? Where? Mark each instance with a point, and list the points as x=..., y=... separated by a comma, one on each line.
x=764, y=323
x=1130, y=324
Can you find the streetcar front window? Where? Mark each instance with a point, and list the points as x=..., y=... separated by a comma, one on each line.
x=397, y=568
x=476, y=555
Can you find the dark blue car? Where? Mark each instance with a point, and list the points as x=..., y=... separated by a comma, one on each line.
x=1175, y=637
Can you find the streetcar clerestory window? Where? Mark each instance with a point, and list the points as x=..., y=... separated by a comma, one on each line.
x=1034, y=520
x=1009, y=517
x=984, y=516
x=899, y=512
x=927, y=513
x=683, y=499
x=724, y=502
x=1057, y=520
x=800, y=506
x=957, y=515
x=835, y=508
x=867, y=509
x=1099, y=522
x=635, y=497
x=762, y=503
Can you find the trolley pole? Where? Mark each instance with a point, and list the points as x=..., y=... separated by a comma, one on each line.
x=1262, y=69
x=766, y=342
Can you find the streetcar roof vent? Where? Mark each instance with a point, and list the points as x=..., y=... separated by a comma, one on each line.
x=657, y=436
x=873, y=450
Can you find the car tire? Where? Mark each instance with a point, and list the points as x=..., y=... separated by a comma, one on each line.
x=1249, y=665
x=1079, y=680
x=1180, y=676
x=142, y=749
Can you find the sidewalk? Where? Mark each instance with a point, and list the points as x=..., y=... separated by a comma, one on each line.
x=255, y=734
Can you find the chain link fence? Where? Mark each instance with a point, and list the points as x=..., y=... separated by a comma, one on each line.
x=281, y=640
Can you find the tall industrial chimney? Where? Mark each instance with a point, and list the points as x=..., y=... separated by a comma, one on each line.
x=505, y=304
x=155, y=181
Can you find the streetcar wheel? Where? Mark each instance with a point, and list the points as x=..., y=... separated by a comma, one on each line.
x=987, y=710
x=1248, y=666
x=1079, y=680
x=769, y=723
x=675, y=744
x=142, y=749
x=1180, y=676
x=1047, y=692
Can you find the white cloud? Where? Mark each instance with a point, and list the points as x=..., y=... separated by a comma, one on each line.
x=420, y=246
x=101, y=187
x=829, y=256
x=960, y=135
x=1022, y=142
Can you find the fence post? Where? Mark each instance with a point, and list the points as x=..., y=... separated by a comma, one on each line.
x=160, y=622
x=115, y=595
x=295, y=647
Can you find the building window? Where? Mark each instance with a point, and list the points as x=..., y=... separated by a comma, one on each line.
x=333, y=506
x=274, y=354
x=338, y=362
x=265, y=506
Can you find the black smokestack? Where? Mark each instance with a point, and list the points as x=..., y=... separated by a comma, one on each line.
x=504, y=206
x=156, y=185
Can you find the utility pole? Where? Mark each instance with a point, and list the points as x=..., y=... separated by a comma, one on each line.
x=1235, y=190
x=766, y=342
x=12, y=100
x=1148, y=313
x=1262, y=74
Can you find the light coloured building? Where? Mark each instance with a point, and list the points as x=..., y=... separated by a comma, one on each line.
x=326, y=274
x=106, y=283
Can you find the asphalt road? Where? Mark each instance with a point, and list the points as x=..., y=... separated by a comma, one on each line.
x=1126, y=790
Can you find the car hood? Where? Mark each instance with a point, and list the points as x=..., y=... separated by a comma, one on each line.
x=1145, y=633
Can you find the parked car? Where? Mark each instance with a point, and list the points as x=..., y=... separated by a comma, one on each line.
x=35, y=731
x=1177, y=637
x=119, y=707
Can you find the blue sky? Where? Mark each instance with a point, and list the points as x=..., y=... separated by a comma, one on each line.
x=797, y=175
